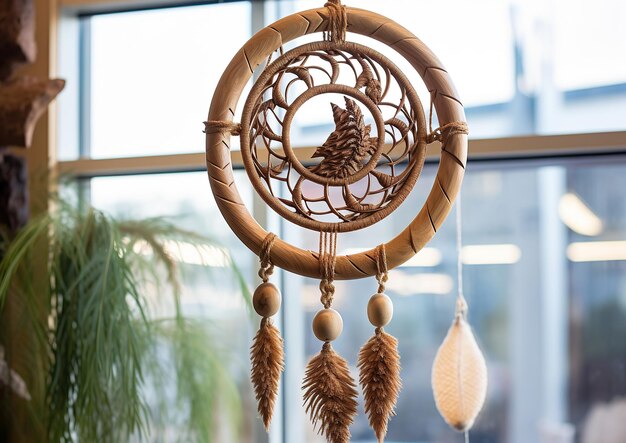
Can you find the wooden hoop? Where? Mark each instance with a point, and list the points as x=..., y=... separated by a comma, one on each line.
x=445, y=100
x=415, y=165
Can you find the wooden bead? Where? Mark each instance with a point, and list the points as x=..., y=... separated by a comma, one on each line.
x=380, y=310
x=266, y=300
x=327, y=325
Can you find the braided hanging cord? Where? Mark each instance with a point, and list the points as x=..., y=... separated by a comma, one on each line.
x=338, y=22
x=381, y=268
x=221, y=126
x=327, y=259
x=267, y=267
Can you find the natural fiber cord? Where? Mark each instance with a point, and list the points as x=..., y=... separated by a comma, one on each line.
x=338, y=21
x=214, y=126
x=267, y=267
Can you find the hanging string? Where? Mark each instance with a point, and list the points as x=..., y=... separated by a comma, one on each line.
x=215, y=126
x=267, y=267
x=327, y=259
x=381, y=268
x=461, y=304
x=337, y=22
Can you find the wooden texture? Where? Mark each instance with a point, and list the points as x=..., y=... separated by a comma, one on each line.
x=386, y=173
x=17, y=35
x=447, y=105
x=327, y=325
x=22, y=102
x=13, y=192
x=266, y=300
x=379, y=310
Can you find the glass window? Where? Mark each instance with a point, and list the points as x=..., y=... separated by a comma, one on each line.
x=521, y=67
x=545, y=265
x=210, y=293
x=544, y=240
x=153, y=74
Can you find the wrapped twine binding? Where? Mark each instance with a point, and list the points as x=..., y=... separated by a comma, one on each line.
x=221, y=126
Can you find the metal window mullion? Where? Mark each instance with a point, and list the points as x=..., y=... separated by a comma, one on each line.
x=84, y=91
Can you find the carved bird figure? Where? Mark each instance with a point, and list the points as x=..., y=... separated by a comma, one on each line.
x=348, y=146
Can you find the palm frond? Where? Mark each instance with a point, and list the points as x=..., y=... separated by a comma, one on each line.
x=99, y=338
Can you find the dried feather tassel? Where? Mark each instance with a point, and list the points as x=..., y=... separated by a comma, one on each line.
x=459, y=376
x=330, y=395
x=267, y=366
x=379, y=367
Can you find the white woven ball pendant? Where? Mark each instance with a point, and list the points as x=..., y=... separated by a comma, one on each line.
x=459, y=377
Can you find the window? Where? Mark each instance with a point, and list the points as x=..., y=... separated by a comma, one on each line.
x=544, y=276
x=521, y=67
x=544, y=229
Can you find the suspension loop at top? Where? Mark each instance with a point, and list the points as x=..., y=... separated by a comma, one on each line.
x=338, y=21
x=382, y=274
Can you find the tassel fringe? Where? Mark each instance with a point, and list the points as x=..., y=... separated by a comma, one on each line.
x=267, y=365
x=330, y=395
x=379, y=368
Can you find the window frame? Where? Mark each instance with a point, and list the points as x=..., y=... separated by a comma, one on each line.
x=78, y=11
x=61, y=15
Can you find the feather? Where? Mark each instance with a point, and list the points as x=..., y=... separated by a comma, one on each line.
x=267, y=366
x=459, y=377
x=330, y=395
x=379, y=368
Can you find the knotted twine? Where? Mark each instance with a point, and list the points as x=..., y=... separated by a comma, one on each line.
x=442, y=133
x=222, y=126
x=381, y=268
x=327, y=258
x=337, y=22
x=267, y=267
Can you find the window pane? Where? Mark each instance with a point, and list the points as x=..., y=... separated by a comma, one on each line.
x=153, y=74
x=520, y=67
x=545, y=278
x=209, y=293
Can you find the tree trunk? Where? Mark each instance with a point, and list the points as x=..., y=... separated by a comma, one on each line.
x=17, y=35
x=13, y=192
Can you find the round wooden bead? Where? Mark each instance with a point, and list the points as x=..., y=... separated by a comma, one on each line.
x=380, y=310
x=327, y=325
x=266, y=300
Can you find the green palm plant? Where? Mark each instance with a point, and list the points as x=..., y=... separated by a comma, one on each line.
x=112, y=372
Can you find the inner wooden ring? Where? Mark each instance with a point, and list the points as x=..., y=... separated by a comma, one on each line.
x=417, y=150
x=445, y=100
x=330, y=89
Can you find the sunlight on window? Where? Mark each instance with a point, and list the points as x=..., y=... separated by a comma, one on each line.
x=153, y=76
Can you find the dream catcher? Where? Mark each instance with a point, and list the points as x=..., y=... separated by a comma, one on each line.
x=363, y=171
